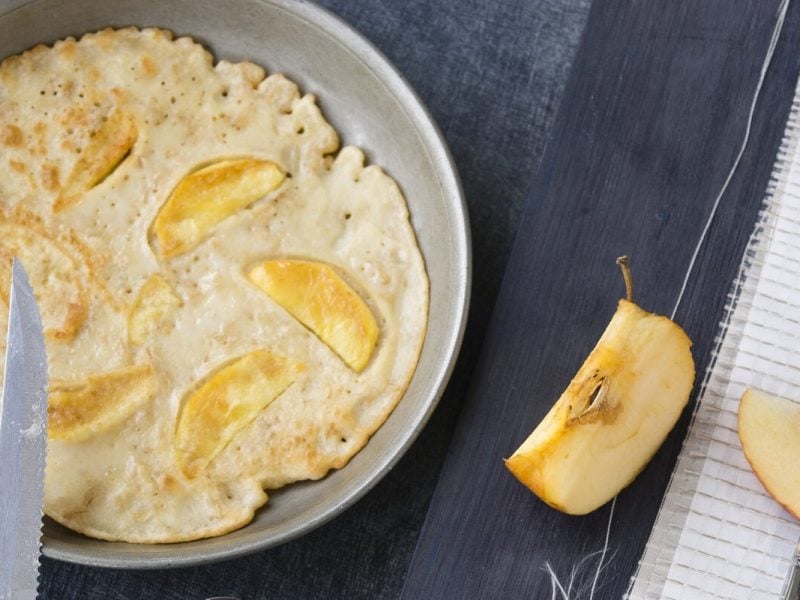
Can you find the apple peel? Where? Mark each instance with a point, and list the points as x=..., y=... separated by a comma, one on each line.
x=769, y=429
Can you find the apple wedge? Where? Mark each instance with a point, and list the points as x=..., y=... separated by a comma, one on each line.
x=107, y=148
x=613, y=416
x=154, y=303
x=769, y=428
x=315, y=295
x=206, y=197
x=79, y=410
x=226, y=403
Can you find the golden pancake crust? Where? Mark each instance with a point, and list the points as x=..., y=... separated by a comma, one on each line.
x=146, y=315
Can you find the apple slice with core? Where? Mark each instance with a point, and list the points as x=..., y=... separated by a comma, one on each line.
x=769, y=428
x=613, y=416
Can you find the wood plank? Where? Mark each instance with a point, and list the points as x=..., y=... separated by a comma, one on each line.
x=651, y=121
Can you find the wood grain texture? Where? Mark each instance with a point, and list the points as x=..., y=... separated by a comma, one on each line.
x=652, y=119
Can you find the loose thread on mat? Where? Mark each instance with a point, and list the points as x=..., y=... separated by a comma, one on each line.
x=556, y=587
x=605, y=548
x=776, y=32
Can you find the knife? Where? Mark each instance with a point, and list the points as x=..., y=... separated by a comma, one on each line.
x=23, y=443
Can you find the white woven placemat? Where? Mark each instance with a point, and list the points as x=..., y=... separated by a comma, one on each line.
x=718, y=534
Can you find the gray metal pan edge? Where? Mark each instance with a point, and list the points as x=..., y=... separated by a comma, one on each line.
x=371, y=106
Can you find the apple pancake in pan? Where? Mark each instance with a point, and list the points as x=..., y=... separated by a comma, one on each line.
x=231, y=302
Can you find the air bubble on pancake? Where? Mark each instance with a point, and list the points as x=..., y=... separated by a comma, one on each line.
x=79, y=410
x=107, y=148
x=226, y=403
x=209, y=195
x=314, y=294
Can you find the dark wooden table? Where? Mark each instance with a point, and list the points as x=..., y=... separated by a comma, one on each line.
x=647, y=127
x=652, y=120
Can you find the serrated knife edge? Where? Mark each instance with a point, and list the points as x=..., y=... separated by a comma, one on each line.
x=23, y=439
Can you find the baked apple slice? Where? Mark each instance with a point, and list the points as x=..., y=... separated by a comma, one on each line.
x=154, y=303
x=314, y=294
x=107, y=148
x=79, y=410
x=206, y=197
x=226, y=403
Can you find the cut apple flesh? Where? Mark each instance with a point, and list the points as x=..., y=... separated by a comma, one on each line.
x=209, y=195
x=78, y=411
x=322, y=301
x=769, y=428
x=154, y=303
x=226, y=403
x=106, y=149
x=612, y=417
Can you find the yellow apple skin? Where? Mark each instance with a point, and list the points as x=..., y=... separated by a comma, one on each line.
x=769, y=428
x=613, y=416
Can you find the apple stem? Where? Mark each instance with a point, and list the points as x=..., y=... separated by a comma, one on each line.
x=625, y=264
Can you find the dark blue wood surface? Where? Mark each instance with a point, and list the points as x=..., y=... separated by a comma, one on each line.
x=652, y=119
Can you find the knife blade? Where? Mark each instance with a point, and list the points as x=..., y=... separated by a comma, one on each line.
x=23, y=442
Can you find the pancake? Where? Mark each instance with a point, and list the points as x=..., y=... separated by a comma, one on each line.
x=231, y=302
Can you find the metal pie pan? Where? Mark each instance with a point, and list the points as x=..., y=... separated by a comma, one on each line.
x=371, y=106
